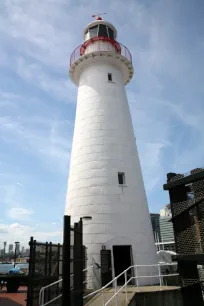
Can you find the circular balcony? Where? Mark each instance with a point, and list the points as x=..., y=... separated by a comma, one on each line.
x=101, y=47
x=97, y=44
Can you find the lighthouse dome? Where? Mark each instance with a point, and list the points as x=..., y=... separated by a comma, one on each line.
x=100, y=28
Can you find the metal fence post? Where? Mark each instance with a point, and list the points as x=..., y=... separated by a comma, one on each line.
x=49, y=269
x=126, y=286
x=137, y=277
x=43, y=298
x=58, y=266
x=32, y=272
x=81, y=262
x=160, y=281
x=78, y=265
x=66, y=263
x=104, y=301
x=116, y=297
x=29, y=292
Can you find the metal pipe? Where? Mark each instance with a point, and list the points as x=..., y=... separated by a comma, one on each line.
x=104, y=301
x=126, y=286
x=116, y=297
x=66, y=262
x=137, y=275
x=160, y=280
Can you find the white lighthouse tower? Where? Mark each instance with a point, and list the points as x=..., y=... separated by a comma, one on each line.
x=105, y=180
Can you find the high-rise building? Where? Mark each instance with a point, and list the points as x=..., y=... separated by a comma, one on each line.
x=166, y=226
x=10, y=248
x=22, y=250
x=166, y=211
x=27, y=252
x=17, y=247
x=105, y=179
x=166, y=229
x=155, y=226
x=163, y=229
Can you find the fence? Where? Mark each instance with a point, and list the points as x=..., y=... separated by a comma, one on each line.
x=44, y=269
x=42, y=294
x=50, y=263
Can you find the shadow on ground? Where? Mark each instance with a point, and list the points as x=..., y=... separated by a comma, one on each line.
x=12, y=300
x=8, y=302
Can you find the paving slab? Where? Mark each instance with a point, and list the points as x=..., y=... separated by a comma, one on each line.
x=98, y=300
x=13, y=299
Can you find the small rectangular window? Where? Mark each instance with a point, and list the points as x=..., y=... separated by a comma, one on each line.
x=111, y=34
x=110, y=77
x=121, y=178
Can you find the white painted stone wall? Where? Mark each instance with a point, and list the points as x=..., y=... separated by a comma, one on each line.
x=103, y=145
x=99, y=45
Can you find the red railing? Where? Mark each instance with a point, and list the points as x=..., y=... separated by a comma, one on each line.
x=119, y=48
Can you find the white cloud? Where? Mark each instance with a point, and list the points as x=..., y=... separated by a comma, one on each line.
x=55, y=86
x=38, y=38
x=19, y=213
x=47, y=138
x=19, y=184
x=20, y=232
x=3, y=58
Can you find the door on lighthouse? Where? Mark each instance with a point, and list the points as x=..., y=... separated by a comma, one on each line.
x=106, y=267
x=122, y=255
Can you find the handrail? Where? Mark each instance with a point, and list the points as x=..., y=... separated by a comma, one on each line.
x=42, y=291
x=114, y=281
x=122, y=50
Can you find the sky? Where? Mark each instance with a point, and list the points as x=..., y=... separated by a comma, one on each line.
x=38, y=100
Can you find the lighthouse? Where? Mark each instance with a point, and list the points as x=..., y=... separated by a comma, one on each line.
x=105, y=180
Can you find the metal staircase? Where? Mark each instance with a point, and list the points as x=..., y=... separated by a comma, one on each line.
x=119, y=295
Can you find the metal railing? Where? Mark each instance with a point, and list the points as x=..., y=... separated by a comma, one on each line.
x=179, y=176
x=127, y=281
x=114, y=281
x=42, y=291
x=77, y=53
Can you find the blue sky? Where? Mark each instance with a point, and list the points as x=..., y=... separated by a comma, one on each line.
x=38, y=101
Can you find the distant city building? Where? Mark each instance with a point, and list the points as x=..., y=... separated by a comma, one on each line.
x=22, y=250
x=17, y=248
x=1, y=252
x=10, y=248
x=163, y=229
x=166, y=211
x=27, y=252
x=166, y=229
x=155, y=226
x=5, y=243
x=167, y=233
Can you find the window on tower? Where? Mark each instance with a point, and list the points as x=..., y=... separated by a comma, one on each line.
x=99, y=30
x=87, y=35
x=102, y=30
x=111, y=35
x=121, y=178
x=110, y=77
x=93, y=31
